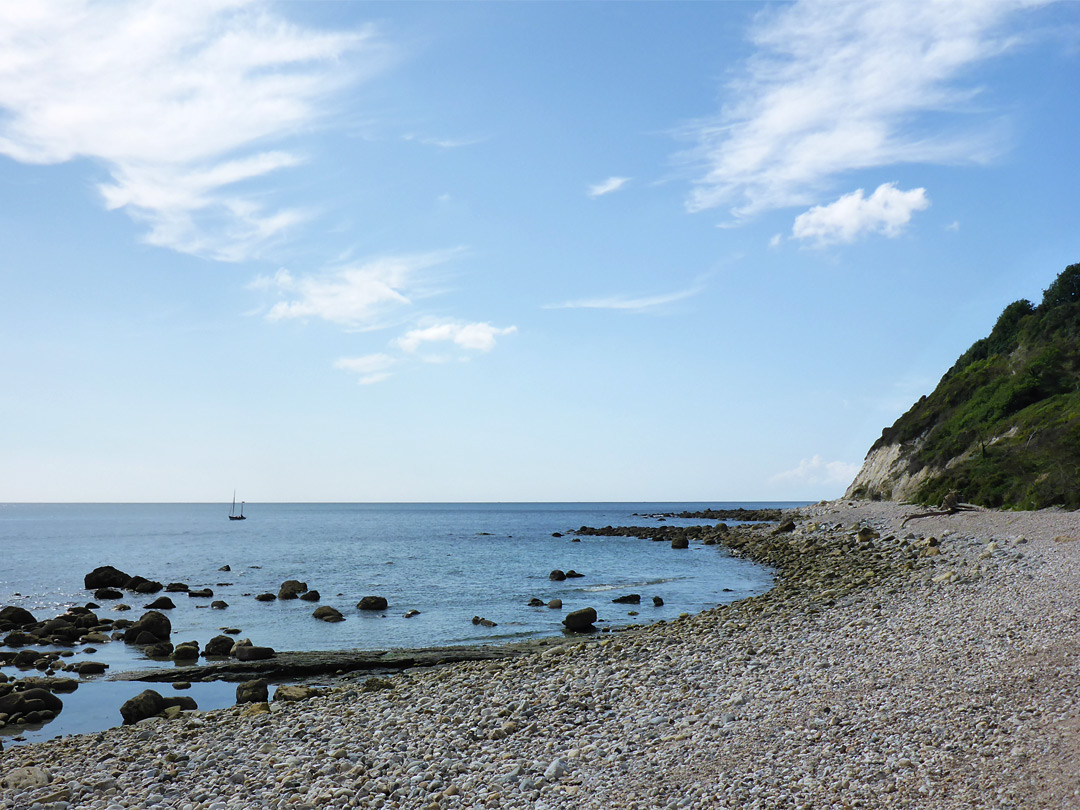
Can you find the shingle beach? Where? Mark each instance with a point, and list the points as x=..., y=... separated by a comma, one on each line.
x=929, y=665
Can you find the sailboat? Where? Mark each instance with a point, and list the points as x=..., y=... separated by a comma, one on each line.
x=232, y=512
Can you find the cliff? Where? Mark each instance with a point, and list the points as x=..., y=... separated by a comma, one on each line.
x=1002, y=427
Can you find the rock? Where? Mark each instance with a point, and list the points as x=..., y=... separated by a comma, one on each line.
x=181, y=684
x=219, y=604
x=204, y=593
x=266, y=597
x=176, y=587
x=865, y=534
x=556, y=534
x=657, y=601
x=680, y=542
x=96, y=637
x=785, y=527
x=628, y=599
x=555, y=604
x=145, y=704
x=13, y=616
x=161, y=603
x=256, y=691
x=162, y=649
x=24, y=778
x=372, y=603
x=376, y=685
x=557, y=575
x=149, y=586
x=408, y=614
x=556, y=770
x=580, y=621
x=185, y=652
x=153, y=623
x=328, y=614
x=255, y=709
x=534, y=602
x=108, y=593
x=30, y=700
x=218, y=645
x=89, y=668
x=253, y=653
x=105, y=576
x=225, y=568
x=295, y=693
x=291, y=589
x=184, y=702
x=572, y=574
x=311, y=596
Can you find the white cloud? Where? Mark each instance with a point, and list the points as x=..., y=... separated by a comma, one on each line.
x=886, y=211
x=839, y=86
x=776, y=240
x=372, y=368
x=953, y=226
x=356, y=296
x=628, y=304
x=474, y=336
x=178, y=102
x=816, y=471
x=607, y=186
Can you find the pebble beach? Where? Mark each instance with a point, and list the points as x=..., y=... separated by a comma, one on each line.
x=927, y=664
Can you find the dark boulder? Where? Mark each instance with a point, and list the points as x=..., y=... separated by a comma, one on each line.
x=105, y=576
x=184, y=702
x=680, y=542
x=30, y=700
x=13, y=616
x=149, y=586
x=657, y=601
x=372, y=603
x=557, y=576
x=161, y=603
x=145, y=704
x=134, y=583
x=155, y=623
x=188, y=651
x=328, y=614
x=108, y=593
x=219, y=645
x=311, y=596
x=266, y=597
x=89, y=668
x=534, y=602
x=204, y=593
x=580, y=621
x=291, y=589
x=256, y=691
x=176, y=587
x=572, y=574
x=628, y=599
x=162, y=649
x=253, y=653
x=219, y=604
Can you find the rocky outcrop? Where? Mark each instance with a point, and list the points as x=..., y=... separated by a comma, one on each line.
x=886, y=474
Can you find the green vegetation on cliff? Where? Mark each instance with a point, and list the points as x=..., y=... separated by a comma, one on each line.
x=1006, y=416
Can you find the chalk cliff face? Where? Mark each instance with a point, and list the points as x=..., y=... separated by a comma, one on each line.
x=1002, y=428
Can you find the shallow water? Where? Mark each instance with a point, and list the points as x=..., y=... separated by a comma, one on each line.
x=449, y=561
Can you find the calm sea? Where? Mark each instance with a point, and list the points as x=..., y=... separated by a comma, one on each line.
x=449, y=561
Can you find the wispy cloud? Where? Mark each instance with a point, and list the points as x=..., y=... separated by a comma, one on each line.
x=478, y=337
x=607, y=186
x=178, y=102
x=842, y=85
x=887, y=211
x=631, y=304
x=371, y=368
x=357, y=296
x=817, y=471
x=442, y=143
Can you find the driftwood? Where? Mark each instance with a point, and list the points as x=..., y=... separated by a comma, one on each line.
x=950, y=505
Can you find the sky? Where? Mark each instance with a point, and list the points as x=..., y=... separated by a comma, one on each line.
x=509, y=251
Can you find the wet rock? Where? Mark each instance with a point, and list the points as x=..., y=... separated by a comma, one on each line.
x=30, y=700
x=225, y=568
x=295, y=693
x=628, y=599
x=291, y=589
x=328, y=614
x=153, y=623
x=219, y=645
x=253, y=653
x=579, y=621
x=266, y=597
x=572, y=574
x=108, y=593
x=147, y=703
x=161, y=603
x=161, y=649
x=557, y=575
x=176, y=587
x=534, y=602
x=188, y=651
x=149, y=586
x=680, y=541
x=203, y=593
x=555, y=604
x=408, y=614
x=657, y=601
x=105, y=576
x=13, y=617
x=311, y=596
x=372, y=603
x=219, y=604
x=255, y=691
x=89, y=668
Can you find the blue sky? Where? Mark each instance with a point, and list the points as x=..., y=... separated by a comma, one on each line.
x=569, y=251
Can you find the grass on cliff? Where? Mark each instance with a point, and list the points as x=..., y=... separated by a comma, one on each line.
x=1003, y=425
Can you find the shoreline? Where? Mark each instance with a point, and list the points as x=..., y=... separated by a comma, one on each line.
x=875, y=673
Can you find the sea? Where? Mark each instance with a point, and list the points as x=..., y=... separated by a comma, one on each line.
x=449, y=562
